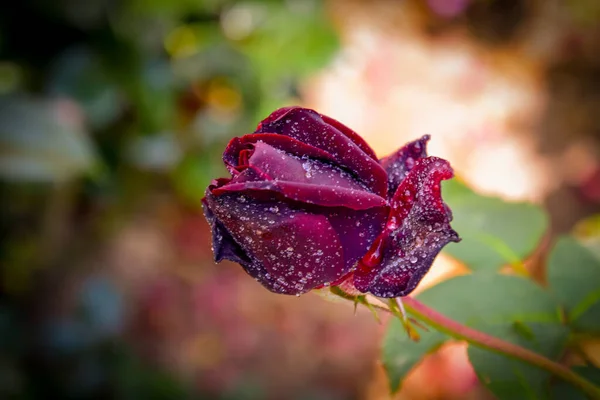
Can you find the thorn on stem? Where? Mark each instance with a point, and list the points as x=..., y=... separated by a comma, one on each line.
x=398, y=310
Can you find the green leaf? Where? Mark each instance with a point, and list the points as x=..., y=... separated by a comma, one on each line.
x=574, y=277
x=400, y=354
x=492, y=298
x=508, y=378
x=511, y=308
x=563, y=390
x=494, y=232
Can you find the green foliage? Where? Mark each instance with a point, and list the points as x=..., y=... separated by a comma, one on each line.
x=574, y=277
x=400, y=354
x=480, y=299
x=508, y=378
x=289, y=41
x=193, y=175
x=562, y=390
x=494, y=233
x=512, y=308
x=280, y=44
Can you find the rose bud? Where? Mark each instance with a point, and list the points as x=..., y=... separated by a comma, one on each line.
x=309, y=205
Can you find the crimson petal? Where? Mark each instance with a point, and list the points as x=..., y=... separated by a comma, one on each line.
x=355, y=137
x=417, y=229
x=306, y=180
x=359, y=141
x=309, y=127
x=284, y=143
x=287, y=250
x=224, y=246
x=357, y=229
x=312, y=194
x=399, y=164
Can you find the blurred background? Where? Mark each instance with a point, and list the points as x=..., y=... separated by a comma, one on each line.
x=113, y=118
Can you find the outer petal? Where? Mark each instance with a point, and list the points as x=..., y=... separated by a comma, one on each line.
x=357, y=229
x=224, y=246
x=305, y=180
x=231, y=156
x=416, y=231
x=287, y=250
x=309, y=127
x=399, y=164
x=360, y=142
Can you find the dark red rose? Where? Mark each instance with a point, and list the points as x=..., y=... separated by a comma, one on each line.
x=309, y=205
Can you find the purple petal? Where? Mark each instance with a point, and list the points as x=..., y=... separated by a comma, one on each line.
x=309, y=127
x=355, y=137
x=359, y=141
x=398, y=165
x=306, y=180
x=312, y=194
x=417, y=229
x=284, y=143
x=223, y=246
x=287, y=250
x=357, y=229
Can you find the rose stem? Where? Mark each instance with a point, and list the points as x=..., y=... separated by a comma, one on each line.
x=459, y=331
x=477, y=338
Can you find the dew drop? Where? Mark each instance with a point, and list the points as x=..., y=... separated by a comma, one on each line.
x=374, y=255
x=308, y=168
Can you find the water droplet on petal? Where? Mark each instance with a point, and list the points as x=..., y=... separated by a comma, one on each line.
x=308, y=168
x=374, y=255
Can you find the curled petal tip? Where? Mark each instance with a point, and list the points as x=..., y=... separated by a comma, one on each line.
x=418, y=228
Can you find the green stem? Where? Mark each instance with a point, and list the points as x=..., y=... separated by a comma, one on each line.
x=477, y=338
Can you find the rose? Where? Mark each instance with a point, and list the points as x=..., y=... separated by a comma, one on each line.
x=310, y=205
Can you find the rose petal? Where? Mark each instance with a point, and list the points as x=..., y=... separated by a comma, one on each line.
x=281, y=166
x=397, y=165
x=305, y=180
x=274, y=116
x=223, y=246
x=309, y=127
x=417, y=229
x=359, y=141
x=313, y=194
x=357, y=229
x=285, y=143
x=287, y=250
